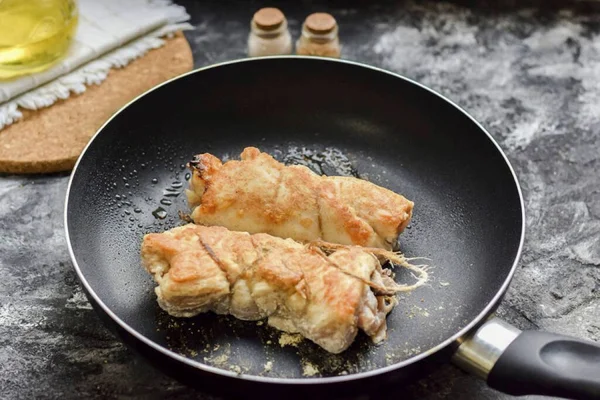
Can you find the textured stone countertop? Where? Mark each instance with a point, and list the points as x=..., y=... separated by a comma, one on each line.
x=531, y=76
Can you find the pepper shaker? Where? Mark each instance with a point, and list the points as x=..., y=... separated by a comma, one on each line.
x=319, y=36
x=269, y=34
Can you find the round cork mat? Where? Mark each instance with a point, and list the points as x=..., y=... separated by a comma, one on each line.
x=51, y=139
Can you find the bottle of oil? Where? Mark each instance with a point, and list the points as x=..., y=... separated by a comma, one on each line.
x=34, y=34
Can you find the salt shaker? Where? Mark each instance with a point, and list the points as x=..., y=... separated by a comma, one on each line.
x=269, y=34
x=319, y=36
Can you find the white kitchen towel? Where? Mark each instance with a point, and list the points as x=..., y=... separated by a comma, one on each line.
x=110, y=34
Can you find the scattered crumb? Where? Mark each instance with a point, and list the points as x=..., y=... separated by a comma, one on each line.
x=413, y=351
x=217, y=360
x=268, y=366
x=309, y=369
x=269, y=342
x=416, y=310
x=444, y=283
x=220, y=360
x=290, y=339
x=236, y=369
x=259, y=323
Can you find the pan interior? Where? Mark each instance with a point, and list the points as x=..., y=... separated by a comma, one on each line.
x=467, y=218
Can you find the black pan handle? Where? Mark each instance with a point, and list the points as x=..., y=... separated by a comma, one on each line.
x=531, y=362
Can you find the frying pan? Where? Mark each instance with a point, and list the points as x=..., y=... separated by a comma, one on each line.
x=341, y=118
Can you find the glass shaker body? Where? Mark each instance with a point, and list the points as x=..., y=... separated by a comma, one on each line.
x=319, y=37
x=269, y=34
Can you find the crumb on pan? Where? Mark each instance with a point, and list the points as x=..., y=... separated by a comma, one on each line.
x=309, y=369
x=268, y=366
x=290, y=339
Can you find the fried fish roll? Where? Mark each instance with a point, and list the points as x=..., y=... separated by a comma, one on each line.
x=258, y=194
x=326, y=296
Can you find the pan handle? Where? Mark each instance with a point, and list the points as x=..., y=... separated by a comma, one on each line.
x=531, y=362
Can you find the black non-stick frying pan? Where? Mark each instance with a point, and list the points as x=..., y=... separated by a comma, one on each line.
x=339, y=118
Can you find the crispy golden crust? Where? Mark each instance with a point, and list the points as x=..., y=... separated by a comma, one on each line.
x=259, y=194
x=326, y=298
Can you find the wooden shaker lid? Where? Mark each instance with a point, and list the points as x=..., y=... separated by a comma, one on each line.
x=268, y=18
x=320, y=23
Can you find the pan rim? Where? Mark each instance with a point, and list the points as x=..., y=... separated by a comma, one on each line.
x=298, y=381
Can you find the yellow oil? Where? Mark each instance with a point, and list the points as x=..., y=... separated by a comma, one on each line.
x=34, y=34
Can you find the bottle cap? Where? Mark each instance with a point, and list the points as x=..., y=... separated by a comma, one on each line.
x=268, y=18
x=320, y=23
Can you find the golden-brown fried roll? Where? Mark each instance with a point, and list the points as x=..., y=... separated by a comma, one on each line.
x=260, y=195
x=324, y=296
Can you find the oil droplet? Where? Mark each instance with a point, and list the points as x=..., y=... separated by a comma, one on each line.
x=137, y=210
x=188, y=176
x=169, y=192
x=154, y=181
x=127, y=185
x=166, y=202
x=331, y=161
x=182, y=166
x=118, y=197
x=127, y=212
x=159, y=213
x=176, y=184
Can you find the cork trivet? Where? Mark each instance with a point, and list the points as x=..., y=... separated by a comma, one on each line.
x=51, y=139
